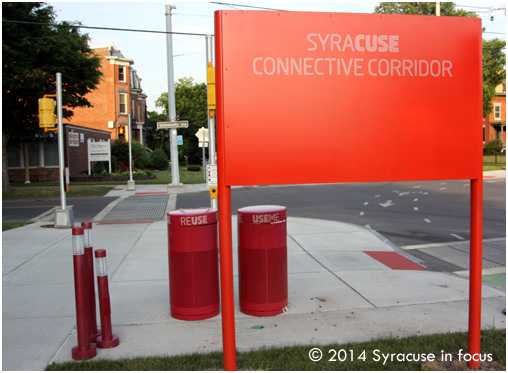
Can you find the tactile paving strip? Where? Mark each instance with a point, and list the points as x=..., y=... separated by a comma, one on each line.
x=458, y=254
x=138, y=209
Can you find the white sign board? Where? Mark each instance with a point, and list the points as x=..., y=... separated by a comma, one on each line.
x=173, y=124
x=211, y=176
x=99, y=151
x=73, y=139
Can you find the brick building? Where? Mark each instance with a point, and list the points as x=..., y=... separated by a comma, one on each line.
x=43, y=156
x=76, y=147
x=118, y=95
x=494, y=126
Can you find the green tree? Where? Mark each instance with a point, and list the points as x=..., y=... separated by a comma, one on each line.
x=190, y=105
x=494, y=73
x=156, y=139
x=32, y=54
x=421, y=8
x=494, y=59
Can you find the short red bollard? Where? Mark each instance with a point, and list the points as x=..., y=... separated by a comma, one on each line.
x=91, y=313
x=107, y=339
x=262, y=260
x=193, y=264
x=84, y=350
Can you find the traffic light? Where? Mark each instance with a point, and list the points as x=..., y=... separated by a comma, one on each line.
x=121, y=133
x=47, y=115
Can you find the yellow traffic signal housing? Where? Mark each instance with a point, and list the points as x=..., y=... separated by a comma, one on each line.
x=210, y=78
x=47, y=115
x=121, y=134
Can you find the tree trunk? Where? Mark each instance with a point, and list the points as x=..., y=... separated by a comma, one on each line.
x=6, y=185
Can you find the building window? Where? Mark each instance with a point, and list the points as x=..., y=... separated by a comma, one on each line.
x=51, y=153
x=33, y=155
x=15, y=156
x=121, y=73
x=497, y=111
x=123, y=103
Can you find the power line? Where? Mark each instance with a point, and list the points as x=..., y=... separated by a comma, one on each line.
x=247, y=6
x=103, y=28
x=482, y=7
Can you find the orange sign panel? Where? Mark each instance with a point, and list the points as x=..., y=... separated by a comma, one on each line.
x=332, y=97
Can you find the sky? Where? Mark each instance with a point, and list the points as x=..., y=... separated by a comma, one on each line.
x=149, y=50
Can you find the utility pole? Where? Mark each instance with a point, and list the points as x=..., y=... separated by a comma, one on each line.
x=438, y=9
x=173, y=140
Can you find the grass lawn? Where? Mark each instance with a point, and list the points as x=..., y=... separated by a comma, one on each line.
x=11, y=225
x=494, y=162
x=365, y=356
x=44, y=192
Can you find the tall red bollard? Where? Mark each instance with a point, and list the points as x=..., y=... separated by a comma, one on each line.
x=84, y=350
x=91, y=313
x=107, y=339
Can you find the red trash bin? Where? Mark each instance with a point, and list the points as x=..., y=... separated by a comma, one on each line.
x=262, y=260
x=193, y=263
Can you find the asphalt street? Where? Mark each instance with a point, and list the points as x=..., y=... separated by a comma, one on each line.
x=407, y=213
x=413, y=215
x=84, y=209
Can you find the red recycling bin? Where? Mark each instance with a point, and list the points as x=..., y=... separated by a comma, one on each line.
x=193, y=263
x=262, y=260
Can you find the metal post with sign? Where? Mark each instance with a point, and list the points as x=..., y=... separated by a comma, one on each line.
x=210, y=77
x=64, y=216
x=202, y=136
x=173, y=145
x=131, y=184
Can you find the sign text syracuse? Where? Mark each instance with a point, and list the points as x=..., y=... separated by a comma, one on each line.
x=360, y=44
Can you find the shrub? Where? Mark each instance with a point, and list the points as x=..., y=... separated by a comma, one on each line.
x=193, y=168
x=159, y=159
x=139, y=157
x=492, y=147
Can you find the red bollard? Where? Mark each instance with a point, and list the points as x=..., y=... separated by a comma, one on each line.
x=107, y=339
x=84, y=350
x=91, y=313
x=262, y=260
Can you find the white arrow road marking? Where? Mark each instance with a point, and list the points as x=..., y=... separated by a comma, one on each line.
x=387, y=203
x=457, y=236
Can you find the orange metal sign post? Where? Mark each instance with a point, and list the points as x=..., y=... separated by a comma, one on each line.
x=332, y=97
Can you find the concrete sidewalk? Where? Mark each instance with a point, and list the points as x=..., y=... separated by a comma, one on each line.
x=341, y=289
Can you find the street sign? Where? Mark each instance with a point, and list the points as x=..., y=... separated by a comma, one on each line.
x=211, y=175
x=173, y=124
x=179, y=140
x=202, y=136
